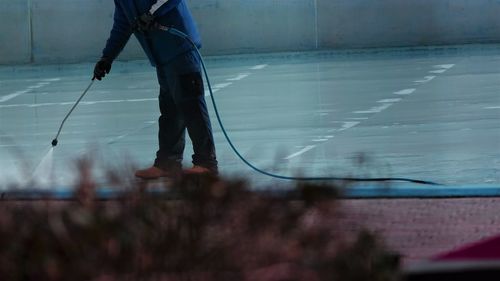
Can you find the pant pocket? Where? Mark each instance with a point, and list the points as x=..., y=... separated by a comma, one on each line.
x=191, y=85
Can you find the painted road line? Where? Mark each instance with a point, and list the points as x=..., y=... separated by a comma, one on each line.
x=446, y=66
x=35, y=86
x=52, y=79
x=47, y=133
x=492, y=107
x=348, y=125
x=222, y=85
x=302, y=151
x=260, y=66
x=389, y=100
x=375, y=109
x=405, y=92
x=319, y=140
x=101, y=92
x=239, y=77
x=31, y=105
x=207, y=92
x=31, y=80
x=116, y=139
x=425, y=80
x=118, y=101
x=345, y=125
x=13, y=95
x=132, y=132
x=438, y=71
x=321, y=113
x=29, y=88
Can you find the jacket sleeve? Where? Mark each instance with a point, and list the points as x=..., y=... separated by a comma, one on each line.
x=120, y=34
x=164, y=6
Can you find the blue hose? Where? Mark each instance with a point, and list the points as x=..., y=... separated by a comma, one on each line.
x=355, y=179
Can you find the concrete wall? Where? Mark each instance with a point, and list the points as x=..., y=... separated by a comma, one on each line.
x=247, y=26
x=74, y=31
x=15, y=43
x=57, y=31
x=388, y=23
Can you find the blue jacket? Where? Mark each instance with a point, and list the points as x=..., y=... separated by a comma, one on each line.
x=160, y=46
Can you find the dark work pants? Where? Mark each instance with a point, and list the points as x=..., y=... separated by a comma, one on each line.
x=183, y=106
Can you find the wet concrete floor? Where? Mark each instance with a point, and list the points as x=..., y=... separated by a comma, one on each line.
x=430, y=114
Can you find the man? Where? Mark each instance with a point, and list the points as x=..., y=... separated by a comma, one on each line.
x=181, y=98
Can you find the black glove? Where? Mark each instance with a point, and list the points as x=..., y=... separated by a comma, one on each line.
x=145, y=22
x=102, y=67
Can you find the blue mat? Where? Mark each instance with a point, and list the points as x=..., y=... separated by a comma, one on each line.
x=358, y=191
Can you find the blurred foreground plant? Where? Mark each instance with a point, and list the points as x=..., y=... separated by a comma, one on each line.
x=208, y=229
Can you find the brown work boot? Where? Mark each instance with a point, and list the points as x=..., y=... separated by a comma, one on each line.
x=154, y=173
x=200, y=170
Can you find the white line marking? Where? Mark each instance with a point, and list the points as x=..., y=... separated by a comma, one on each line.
x=375, y=109
x=329, y=137
x=302, y=151
x=222, y=85
x=260, y=66
x=207, y=92
x=425, y=80
x=492, y=107
x=405, y=92
x=18, y=93
x=239, y=77
x=39, y=85
x=113, y=140
x=13, y=95
x=389, y=100
x=117, y=138
x=321, y=113
x=31, y=105
x=52, y=79
x=358, y=118
x=348, y=125
x=438, y=71
x=138, y=100
x=319, y=140
x=447, y=66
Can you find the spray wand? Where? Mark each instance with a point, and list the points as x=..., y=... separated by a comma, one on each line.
x=55, y=141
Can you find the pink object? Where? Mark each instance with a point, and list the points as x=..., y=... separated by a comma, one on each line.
x=488, y=249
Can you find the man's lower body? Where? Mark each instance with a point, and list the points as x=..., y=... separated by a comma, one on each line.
x=183, y=108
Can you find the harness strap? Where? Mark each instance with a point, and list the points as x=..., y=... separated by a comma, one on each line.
x=157, y=6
